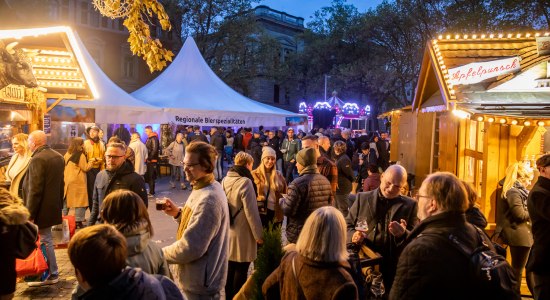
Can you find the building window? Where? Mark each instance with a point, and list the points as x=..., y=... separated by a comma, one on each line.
x=276, y=91
x=129, y=66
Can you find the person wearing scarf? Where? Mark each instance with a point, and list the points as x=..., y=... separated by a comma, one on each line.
x=245, y=231
x=76, y=192
x=94, y=149
x=270, y=185
x=200, y=253
x=305, y=194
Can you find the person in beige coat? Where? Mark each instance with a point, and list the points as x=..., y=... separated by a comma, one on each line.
x=19, y=162
x=76, y=193
x=245, y=230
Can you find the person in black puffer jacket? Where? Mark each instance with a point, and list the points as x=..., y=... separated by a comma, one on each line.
x=345, y=177
x=305, y=194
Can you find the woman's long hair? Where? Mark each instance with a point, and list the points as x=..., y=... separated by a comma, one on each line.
x=323, y=237
x=275, y=184
x=76, y=145
x=126, y=211
x=516, y=172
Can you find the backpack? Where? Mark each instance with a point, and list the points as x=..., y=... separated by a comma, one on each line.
x=492, y=273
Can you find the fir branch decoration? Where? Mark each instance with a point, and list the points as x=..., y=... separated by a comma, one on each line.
x=268, y=259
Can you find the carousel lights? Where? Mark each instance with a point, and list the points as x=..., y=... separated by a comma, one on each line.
x=322, y=105
x=302, y=107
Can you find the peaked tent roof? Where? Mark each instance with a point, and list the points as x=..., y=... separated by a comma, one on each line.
x=113, y=105
x=189, y=84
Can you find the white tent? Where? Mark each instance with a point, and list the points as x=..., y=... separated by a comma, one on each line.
x=113, y=105
x=191, y=93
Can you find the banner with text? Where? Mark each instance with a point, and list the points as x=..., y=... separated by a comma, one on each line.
x=479, y=71
x=224, y=119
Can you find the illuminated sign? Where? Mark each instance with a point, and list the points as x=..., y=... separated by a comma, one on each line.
x=479, y=71
x=15, y=93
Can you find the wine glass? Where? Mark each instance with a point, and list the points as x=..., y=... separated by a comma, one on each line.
x=362, y=225
x=377, y=285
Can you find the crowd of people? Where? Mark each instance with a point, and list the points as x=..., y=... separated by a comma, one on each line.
x=332, y=188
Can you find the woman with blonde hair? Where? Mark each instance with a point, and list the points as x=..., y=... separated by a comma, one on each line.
x=320, y=257
x=513, y=222
x=245, y=230
x=19, y=162
x=76, y=191
x=271, y=185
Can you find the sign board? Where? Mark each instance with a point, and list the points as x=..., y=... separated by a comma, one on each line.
x=14, y=93
x=543, y=45
x=296, y=121
x=47, y=124
x=479, y=71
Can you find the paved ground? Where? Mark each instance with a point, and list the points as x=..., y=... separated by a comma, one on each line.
x=165, y=233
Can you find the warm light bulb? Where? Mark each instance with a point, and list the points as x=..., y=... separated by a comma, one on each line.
x=514, y=122
x=482, y=36
x=540, y=123
x=491, y=120
x=479, y=119
x=526, y=123
x=502, y=121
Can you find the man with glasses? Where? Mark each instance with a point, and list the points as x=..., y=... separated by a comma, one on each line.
x=388, y=215
x=200, y=253
x=118, y=174
x=538, y=205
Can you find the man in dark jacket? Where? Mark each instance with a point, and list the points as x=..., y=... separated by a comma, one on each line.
x=383, y=147
x=431, y=267
x=217, y=139
x=305, y=194
x=382, y=208
x=538, y=205
x=275, y=143
x=43, y=190
x=289, y=148
x=118, y=174
x=106, y=275
x=152, y=145
x=255, y=149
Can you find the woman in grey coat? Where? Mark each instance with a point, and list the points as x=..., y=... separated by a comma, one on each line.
x=245, y=230
x=513, y=220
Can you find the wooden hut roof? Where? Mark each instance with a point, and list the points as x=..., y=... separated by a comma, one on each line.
x=514, y=94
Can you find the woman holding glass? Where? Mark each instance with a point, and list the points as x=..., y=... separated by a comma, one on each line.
x=320, y=257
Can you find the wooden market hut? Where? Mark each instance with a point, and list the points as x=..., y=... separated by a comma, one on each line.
x=482, y=102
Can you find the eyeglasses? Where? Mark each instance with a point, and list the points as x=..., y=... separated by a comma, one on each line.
x=190, y=165
x=113, y=156
x=418, y=196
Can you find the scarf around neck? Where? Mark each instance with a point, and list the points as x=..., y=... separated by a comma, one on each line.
x=244, y=172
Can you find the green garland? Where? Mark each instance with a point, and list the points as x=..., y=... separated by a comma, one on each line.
x=268, y=259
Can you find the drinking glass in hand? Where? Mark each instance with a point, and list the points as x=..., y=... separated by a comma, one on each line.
x=377, y=285
x=160, y=204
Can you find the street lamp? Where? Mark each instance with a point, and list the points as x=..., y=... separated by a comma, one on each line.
x=326, y=79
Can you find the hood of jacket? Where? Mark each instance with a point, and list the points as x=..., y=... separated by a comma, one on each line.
x=137, y=238
x=132, y=283
x=14, y=213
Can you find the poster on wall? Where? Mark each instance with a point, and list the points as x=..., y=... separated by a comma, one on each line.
x=47, y=124
x=296, y=121
x=70, y=114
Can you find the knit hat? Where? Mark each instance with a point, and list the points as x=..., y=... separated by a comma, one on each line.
x=307, y=157
x=268, y=151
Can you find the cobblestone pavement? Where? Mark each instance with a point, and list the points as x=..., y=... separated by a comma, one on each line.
x=164, y=234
